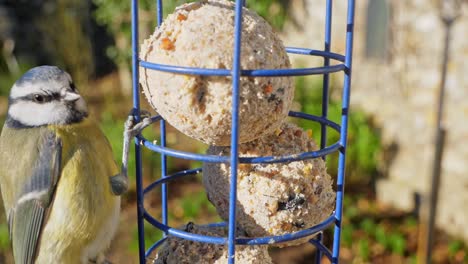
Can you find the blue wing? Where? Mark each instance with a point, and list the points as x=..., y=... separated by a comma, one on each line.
x=28, y=215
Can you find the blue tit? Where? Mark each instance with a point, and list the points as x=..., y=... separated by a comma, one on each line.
x=59, y=182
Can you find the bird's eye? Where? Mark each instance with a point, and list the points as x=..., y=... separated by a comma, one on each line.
x=39, y=98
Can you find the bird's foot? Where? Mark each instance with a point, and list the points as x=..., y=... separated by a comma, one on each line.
x=119, y=182
x=133, y=128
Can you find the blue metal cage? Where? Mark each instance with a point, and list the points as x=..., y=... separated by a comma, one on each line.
x=343, y=64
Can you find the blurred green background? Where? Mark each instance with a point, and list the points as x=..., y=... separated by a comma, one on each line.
x=91, y=40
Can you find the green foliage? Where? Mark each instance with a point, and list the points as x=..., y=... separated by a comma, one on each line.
x=4, y=237
x=397, y=243
x=351, y=211
x=347, y=235
x=363, y=139
x=381, y=236
x=393, y=241
x=368, y=225
x=193, y=207
x=454, y=247
x=364, y=250
x=413, y=259
x=348, y=201
x=152, y=235
x=274, y=11
x=195, y=204
x=359, y=226
x=411, y=222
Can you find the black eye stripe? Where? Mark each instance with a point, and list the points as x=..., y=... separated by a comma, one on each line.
x=32, y=97
x=55, y=96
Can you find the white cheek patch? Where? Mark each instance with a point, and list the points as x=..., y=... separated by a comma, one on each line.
x=33, y=114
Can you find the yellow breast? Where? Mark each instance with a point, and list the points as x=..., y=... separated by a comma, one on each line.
x=83, y=201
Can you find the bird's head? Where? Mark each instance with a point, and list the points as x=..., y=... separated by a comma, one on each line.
x=45, y=95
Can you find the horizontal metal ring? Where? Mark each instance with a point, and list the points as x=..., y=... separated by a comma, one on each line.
x=257, y=72
x=267, y=240
x=264, y=159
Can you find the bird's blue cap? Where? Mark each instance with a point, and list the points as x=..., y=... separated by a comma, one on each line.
x=41, y=73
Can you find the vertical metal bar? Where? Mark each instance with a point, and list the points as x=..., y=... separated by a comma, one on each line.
x=318, y=253
x=140, y=208
x=136, y=108
x=164, y=187
x=344, y=131
x=325, y=98
x=159, y=12
x=326, y=76
x=440, y=136
x=435, y=185
x=236, y=71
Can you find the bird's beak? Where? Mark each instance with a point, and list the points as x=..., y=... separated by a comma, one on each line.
x=70, y=96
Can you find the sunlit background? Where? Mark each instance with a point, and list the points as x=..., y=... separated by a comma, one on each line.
x=396, y=80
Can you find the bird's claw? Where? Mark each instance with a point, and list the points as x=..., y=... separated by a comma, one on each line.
x=132, y=128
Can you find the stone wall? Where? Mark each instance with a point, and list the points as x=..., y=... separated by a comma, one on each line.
x=399, y=90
